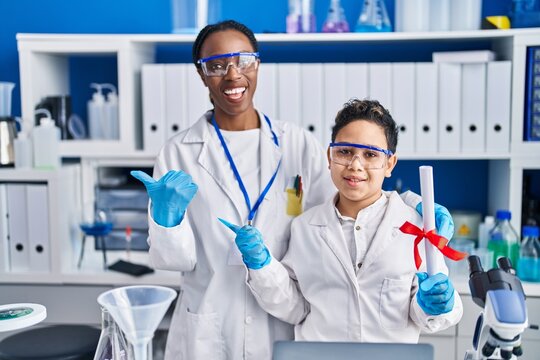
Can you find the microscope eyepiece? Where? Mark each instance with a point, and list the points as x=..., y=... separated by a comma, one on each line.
x=475, y=265
x=506, y=265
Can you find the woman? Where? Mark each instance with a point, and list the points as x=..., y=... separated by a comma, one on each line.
x=246, y=168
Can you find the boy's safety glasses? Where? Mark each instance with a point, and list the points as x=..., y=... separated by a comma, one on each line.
x=370, y=157
x=218, y=65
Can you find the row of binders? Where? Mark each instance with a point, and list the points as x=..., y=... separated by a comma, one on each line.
x=24, y=228
x=440, y=108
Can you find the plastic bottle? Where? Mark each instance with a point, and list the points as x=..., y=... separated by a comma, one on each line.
x=483, y=231
x=373, y=17
x=112, y=344
x=529, y=255
x=46, y=138
x=503, y=239
x=335, y=20
x=110, y=126
x=22, y=146
x=96, y=113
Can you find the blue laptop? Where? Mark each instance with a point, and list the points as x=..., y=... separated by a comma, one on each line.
x=302, y=350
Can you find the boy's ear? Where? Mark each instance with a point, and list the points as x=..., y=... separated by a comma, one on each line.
x=328, y=156
x=392, y=161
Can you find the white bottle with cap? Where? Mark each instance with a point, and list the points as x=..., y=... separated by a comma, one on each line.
x=46, y=140
x=96, y=113
x=110, y=124
x=483, y=231
x=22, y=147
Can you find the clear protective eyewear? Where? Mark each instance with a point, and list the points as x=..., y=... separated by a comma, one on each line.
x=370, y=157
x=218, y=65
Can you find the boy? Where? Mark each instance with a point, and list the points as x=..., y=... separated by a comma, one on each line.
x=349, y=272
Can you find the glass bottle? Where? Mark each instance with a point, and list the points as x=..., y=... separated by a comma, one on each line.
x=503, y=239
x=373, y=18
x=301, y=18
x=529, y=255
x=112, y=344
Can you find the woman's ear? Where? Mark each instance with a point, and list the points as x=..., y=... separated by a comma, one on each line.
x=390, y=164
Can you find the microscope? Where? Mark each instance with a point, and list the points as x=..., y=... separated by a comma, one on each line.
x=503, y=319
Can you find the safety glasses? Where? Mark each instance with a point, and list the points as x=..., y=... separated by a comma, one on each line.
x=218, y=65
x=370, y=157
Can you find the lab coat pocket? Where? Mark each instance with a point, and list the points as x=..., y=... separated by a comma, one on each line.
x=394, y=303
x=204, y=340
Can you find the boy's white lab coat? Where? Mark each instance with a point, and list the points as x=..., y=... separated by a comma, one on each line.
x=216, y=316
x=376, y=305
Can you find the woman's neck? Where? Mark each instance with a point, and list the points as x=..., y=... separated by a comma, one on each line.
x=245, y=121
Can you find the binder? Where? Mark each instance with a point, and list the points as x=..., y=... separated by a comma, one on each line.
x=498, y=94
x=176, y=118
x=266, y=99
x=473, y=110
x=334, y=96
x=449, y=108
x=532, y=95
x=198, y=97
x=289, y=92
x=38, y=227
x=18, y=229
x=153, y=106
x=403, y=104
x=380, y=83
x=4, y=231
x=427, y=108
x=356, y=81
x=312, y=100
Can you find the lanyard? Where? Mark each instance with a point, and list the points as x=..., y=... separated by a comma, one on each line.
x=251, y=210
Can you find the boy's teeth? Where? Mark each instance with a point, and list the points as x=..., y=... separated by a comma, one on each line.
x=234, y=91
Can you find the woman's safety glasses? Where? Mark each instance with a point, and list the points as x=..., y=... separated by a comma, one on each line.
x=218, y=65
x=370, y=157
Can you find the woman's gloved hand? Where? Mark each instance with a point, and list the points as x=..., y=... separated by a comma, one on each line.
x=250, y=243
x=443, y=220
x=170, y=195
x=435, y=293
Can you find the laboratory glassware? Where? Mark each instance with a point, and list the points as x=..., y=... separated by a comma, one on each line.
x=301, y=18
x=138, y=310
x=529, y=255
x=112, y=344
x=335, y=20
x=5, y=98
x=503, y=239
x=373, y=17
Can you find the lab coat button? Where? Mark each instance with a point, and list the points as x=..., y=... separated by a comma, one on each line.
x=357, y=227
x=248, y=320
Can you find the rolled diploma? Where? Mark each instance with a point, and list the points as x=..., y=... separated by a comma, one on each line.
x=428, y=214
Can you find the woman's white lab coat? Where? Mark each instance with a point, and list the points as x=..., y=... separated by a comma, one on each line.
x=216, y=316
x=377, y=304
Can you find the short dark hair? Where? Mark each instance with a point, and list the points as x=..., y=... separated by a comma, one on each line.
x=220, y=26
x=368, y=110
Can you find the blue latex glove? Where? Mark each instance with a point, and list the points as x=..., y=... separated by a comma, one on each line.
x=435, y=293
x=250, y=243
x=443, y=220
x=170, y=195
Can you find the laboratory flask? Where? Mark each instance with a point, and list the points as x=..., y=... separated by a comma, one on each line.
x=503, y=239
x=112, y=344
x=373, y=17
x=529, y=255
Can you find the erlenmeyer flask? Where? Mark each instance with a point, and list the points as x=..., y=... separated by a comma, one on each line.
x=373, y=18
x=112, y=344
x=335, y=20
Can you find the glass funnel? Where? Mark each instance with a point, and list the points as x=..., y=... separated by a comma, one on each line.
x=138, y=310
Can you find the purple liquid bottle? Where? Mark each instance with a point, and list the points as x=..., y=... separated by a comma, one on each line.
x=335, y=20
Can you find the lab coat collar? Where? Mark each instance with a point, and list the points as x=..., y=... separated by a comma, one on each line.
x=270, y=155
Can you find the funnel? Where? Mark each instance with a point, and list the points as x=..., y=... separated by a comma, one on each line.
x=138, y=310
x=5, y=98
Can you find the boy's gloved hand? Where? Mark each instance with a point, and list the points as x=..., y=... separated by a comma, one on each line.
x=435, y=293
x=443, y=220
x=250, y=243
x=170, y=195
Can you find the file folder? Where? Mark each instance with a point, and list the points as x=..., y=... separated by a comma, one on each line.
x=37, y=220
x=473, y=110
x=4, y=231
x=334, y=96
x=266, y=97
x=153, y=106
x=18, y=229
x=427, y=108
x=289, y=85
x=312, y=100
x=499, y=88
x=198, y=97
x=176, y=117
x=380, y=83
x=356, y=81
x=532, y=95
x=403, y=104
x=449, y=108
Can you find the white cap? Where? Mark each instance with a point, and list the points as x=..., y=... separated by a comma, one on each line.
x=489, y=219
x=47, y=120
x=98, y=95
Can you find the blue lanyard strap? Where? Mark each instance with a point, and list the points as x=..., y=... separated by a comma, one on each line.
x=253, y=210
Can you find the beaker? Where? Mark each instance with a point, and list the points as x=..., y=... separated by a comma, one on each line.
x=190, y=16
x=5, y=98
x=138, y=310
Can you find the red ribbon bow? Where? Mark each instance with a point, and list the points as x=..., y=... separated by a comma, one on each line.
x=436, y=240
